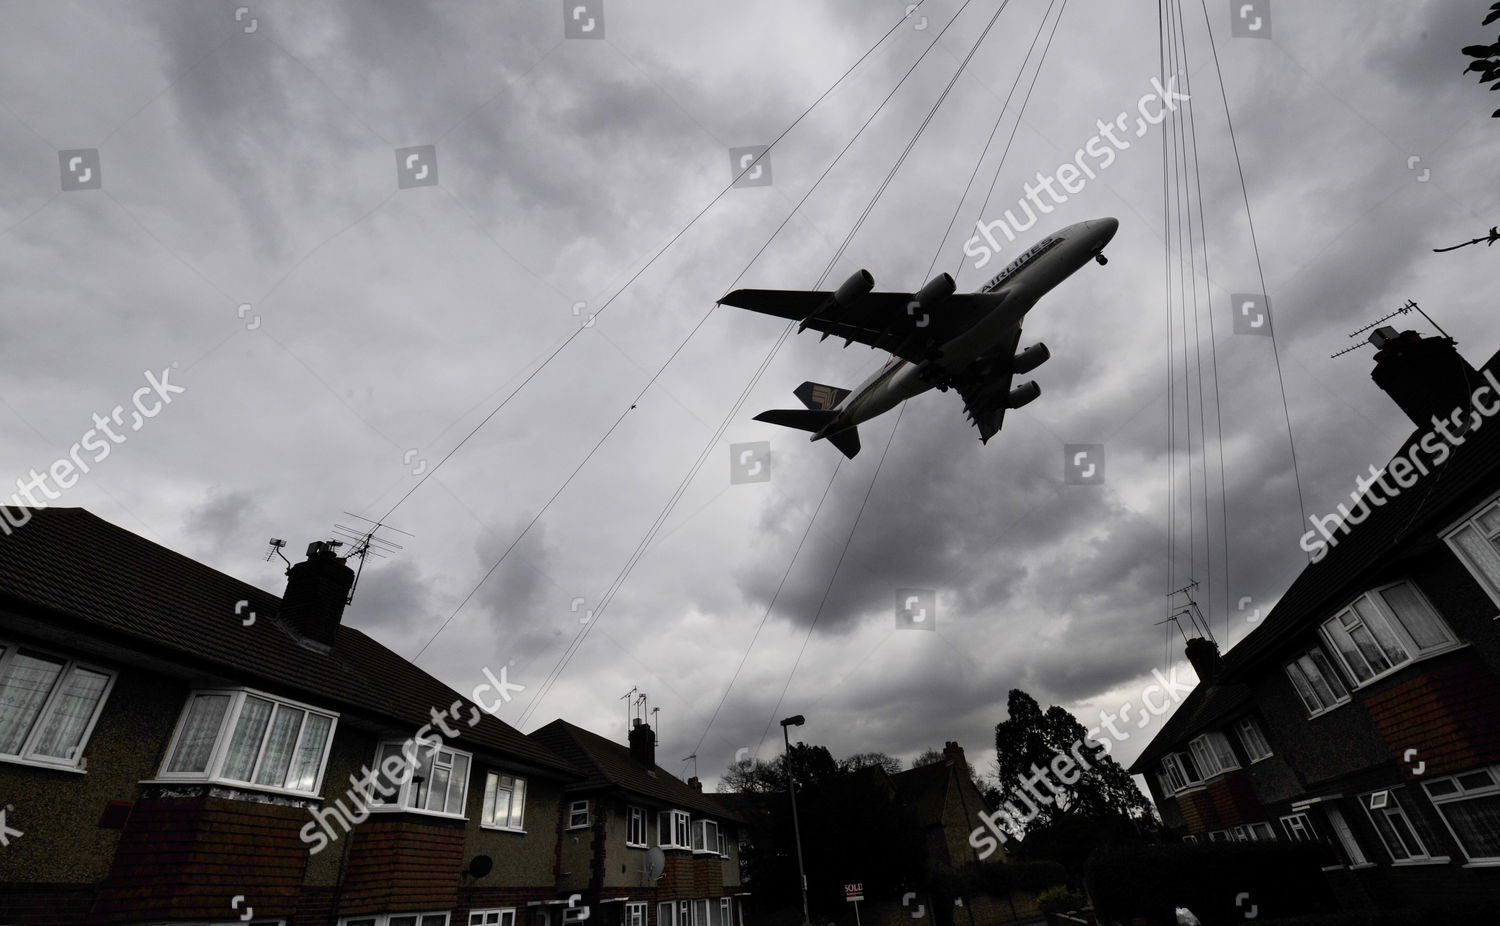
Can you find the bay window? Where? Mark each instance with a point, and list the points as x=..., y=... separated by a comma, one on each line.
x=1212, y=754
x=1252, y=739
x=1316, y=682
x=706, y=836
x=672, y=829
x=239, y=736
x=1477, y=543
x=430, y=778
x=1384, y=629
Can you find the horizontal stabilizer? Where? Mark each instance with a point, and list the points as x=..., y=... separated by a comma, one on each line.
x=814, y=420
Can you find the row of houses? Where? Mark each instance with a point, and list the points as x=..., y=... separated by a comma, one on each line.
x=1363, y=712
x=177, y=746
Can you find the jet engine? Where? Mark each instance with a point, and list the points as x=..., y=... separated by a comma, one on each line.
x=1023, y=394
x=854, y=289
x=937, y=289
x=1031, y=358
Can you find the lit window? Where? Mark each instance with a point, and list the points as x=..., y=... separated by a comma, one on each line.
x=1252, y=739
x=1385, y=629
x=48, y=706
x=1317, y=684
x=248, y=738
x=635, y=830
x=504, y=917
x=578, y=815
x=1394, y=826
x=1470, y=806
x=504, y=801
x=1299, y=828
x=1477, y=543
x=430, y=778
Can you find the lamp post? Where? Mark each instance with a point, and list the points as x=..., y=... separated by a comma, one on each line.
x=795, y=721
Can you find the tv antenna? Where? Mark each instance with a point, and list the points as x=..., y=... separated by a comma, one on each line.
x=693, y=759
x=1191, y=611
x=628, y=705
x=366, y=544
x=1410, y=306
x=275, y=550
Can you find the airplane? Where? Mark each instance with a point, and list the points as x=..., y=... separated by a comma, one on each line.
x=937, y=338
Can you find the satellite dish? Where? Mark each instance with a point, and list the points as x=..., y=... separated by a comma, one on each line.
x=656, y=862
x=480, y=865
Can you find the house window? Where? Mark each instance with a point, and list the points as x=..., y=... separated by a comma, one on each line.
x=1316, y=682
x=1262, y=832
x=1212, y=754
x=706, y=836
x=578, y=815
x=1394, y=826
x=635, y=913
x=1470, y=806
x=1219, y=836
x=723, y=845
x=1352, y=851
x=1477, y=543
x=243, y=737
x=704, y=912
x=1239, y=833
x=396, y=919
x=672, y=829
x=504, y=802
x=1180, y=771
x=430, y=778
x=1385, y=629
x=1252, y=739
x=1190, y=839
x=666, y=914
x=503, y=917
x=48, y=705
x=726, y=912
x=635, y=829
x=1299, y=828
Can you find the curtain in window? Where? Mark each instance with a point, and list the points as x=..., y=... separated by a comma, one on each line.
x=458, y=784
x=1476, y=822
x=303, y=775
x=279, y=745
x=1390, y=648
x=70, y=715
x=392, y=786
x=28, y=680
x=421, y=782
x=1481, y=554
x=196, y=743
x=1425, y=627
x=244, y=744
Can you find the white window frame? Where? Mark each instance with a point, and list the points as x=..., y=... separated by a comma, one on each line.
x=388, y=919
x=403, y=800
x=666, y=913
x=1213, y=755
x=1462, y=792
x=678, y=826
x=579, y=807
x=1262, y=832
x=632, y=816
x=1349, y=620
x=1471, y=521
x=726, y=911
x=496, y=916
x=1181, y=771
x=1347, y=840
x=1253, y=738
x=723, y=842
x=1387, y=805
x=517, y=785
x=1318, y=660
x=213, y=770
x=1299, y=827
x=1190, y=839
x=703, y=911
x=26, y=755
x=635, y=913
x=702, y=845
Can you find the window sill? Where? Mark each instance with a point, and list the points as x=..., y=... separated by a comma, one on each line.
x=1484, y=863
x=1328, y=710
x=1421, y=862
x=1410, y=663
x=236, y=785
x=636, y=845
x=37, y=763
x=388, y=808
x=1262, y=758
x=501, y=829
x=578, y=826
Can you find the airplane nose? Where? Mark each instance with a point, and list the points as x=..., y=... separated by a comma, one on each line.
x=1108, y=226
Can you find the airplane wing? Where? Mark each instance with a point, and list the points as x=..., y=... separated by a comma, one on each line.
x=985, y=388
x=893, y=322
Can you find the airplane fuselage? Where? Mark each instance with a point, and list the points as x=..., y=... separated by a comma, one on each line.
x=1016, y=289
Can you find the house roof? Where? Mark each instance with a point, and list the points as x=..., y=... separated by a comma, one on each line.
x=607, y=764
x=1381, y=540
x=924, y=790
x=89, y=576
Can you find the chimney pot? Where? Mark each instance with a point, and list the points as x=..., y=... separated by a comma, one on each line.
x=1426, y=377
x=1204, y=655
x=317, y=590
x=643, y=744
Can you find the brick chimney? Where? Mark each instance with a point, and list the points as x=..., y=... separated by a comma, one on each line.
x=642, y=743
x=316, y=591
x=695, y=784
x=1426, y=377
x=955, y=754
x=1204, y=655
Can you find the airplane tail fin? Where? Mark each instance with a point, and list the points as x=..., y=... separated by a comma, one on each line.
x=814, y=420
x=818, y=396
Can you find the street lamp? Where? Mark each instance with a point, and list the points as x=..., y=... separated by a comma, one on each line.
x=795, y=721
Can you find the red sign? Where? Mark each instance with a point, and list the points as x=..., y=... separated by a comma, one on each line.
x=854, y=892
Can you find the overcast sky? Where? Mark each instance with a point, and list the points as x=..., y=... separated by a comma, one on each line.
x=335, y=332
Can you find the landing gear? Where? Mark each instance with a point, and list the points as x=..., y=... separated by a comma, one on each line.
x=1101, y=258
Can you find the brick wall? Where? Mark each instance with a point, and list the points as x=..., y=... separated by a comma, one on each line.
x=1449, y=714
x=403, y=865
x=1225, y=801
